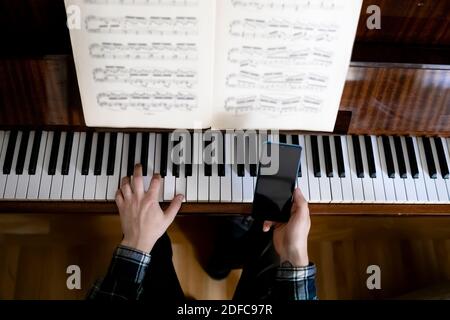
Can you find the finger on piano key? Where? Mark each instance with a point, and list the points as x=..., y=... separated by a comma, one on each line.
x=423, y=168
x=114, y=174
x=411, y=192
x=145, y=153
x=158, y=155
x=46, y=178
x=368, y=189
x=13, y=178
x=335, y=181
x=91, y=179
x=346, y=181
x=429, y=157
x=57, y=178
x=302, y=179
x=101, y=168
x=150, y=161
x=389, y=188
x=441, y=186
x=388, y=156
x=358, y=193
x=80, y=178
x=324, y=181
x=69, y=178
x=192, y=180
x=225, y=180
x=203, y=179
x=169, y=179
x=378, y=183
x=24, y=177
x=442, y=157
x=414, y=161
x=314, y=188
x=4, y=137
x=399, y=183
x=36, y=167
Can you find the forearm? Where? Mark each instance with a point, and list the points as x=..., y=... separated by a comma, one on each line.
x=125, y=276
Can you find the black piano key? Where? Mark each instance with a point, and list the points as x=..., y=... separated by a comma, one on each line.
x=441, y=157
x=99, y=154
x=87, y=154
x=358, y=157
x=400, y=159
x=188, y=167
x=22, y=152
x=327, y=156
x=221, y=165
x=54, y=153
x=207, y=167
x=296, y=142
x=175, y=167
x=429, y=158
x=131, y=153
x=339, y=156
x=10, y=152
x=144, y=152
x=388, y=157
x=164, y=150
x=67, y=153
x=283, y=138
x=370, y=157
x=253, y=169
x=241, y=170
x=35, y=153
x=112, y=153
x=412, y=157
x=315, y=157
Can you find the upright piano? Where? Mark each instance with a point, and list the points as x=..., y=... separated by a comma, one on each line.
x=389, y=153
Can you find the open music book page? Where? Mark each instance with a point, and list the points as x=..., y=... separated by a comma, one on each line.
x=282, y=63
x=144, y=63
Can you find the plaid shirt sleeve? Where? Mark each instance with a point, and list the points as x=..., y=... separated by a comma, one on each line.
x=295, y=283
x=125, y=276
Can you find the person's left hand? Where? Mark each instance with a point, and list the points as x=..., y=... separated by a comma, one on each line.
x=142, y=219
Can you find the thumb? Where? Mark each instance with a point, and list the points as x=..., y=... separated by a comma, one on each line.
x=174, y=207
x=267, y=225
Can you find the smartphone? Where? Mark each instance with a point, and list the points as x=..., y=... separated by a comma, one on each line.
x=274, y=188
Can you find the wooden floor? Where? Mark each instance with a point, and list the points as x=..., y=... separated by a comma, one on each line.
x=412, y=252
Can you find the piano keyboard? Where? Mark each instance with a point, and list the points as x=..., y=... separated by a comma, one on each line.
x=87, y=166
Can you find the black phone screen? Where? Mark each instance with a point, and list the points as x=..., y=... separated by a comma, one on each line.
x=273, y=192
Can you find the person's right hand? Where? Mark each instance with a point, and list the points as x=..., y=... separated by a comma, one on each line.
x=291, y=239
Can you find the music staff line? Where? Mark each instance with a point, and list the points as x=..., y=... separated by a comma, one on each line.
x=186, y=26
x=160, y=3
x=272, y=105
x=148, y=101
x=291, y=5
x=282, y=29
x=148, y=78
x=280, y=56
x=144, y=51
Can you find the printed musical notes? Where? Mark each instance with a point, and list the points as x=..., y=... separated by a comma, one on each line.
x=294, y=5
x=144, y=51
x=161, y=26
x=169, y=3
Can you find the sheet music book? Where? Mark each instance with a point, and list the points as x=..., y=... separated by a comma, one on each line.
x=242, y=64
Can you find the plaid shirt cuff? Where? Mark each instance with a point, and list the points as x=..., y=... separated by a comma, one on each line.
x=299, y=280
x=129, y=263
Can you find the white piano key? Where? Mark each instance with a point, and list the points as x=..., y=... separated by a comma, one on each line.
x=13, y=178
x=378, y=182
x=399, y=183
x=421, y=189
x=347, y=187
x=151, y=160
x=69, y=179
x=89, y=188
x=35, y=179
x=24, y=178
x=203, y=181
x=214, y=185
x=441, y=187
x=446, y=144
x=225, y=182
x=410, y=184
x=335, y=181
x=114, y=180
x=358, y=193
x=46, y=179
x=169, y=179
x=180, y=182
x=101, y=184
x=302, y=181
x=369, y=193
x=314, y=187
x=429, y=183
x=324, y=181
x=236, y=184
x=78, y=186
x=247, y=185
x=158, y=164
x=192, y=181
x=57, y=178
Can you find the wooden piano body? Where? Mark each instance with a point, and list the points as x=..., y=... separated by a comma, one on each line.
x=398, y=84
